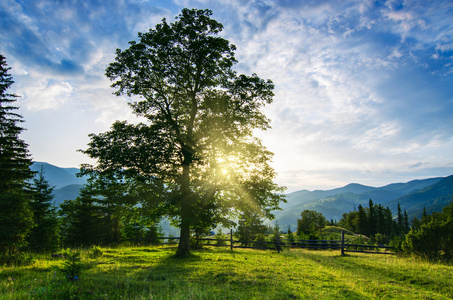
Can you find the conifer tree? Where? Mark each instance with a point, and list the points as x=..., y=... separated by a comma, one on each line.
x=15, y=161
x=371, y=218
x=389, y=223
x=362, y=222
x=81, y=223
x=290, y=235
x=434, y=237
x=45, y=235
x=250, y=227
x=424, y=215
x=381, y=220
x=406, y=222
x=400, y=219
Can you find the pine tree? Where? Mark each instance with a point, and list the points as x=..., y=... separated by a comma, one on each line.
x=362, y=223
x=381, y=220
x=406, y=222
x=82, y=224
x=290, y=236
x=389, y=223
x=15, y=212
x=372, y=219
x=400, y=219
x=45, y=235
x=250, y=228
x=424, y=214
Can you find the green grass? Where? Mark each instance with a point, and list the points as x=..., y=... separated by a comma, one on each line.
x=218, y=273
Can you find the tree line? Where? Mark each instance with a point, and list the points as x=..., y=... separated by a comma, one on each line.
x=430, y=236
x=27, y=218
x=376, y=222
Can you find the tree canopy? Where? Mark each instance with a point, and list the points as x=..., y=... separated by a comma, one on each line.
x=310, y=222
x=195, y=158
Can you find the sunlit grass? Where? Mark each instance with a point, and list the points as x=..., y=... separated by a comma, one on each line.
x=216, y=273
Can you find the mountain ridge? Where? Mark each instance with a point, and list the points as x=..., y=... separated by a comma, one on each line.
x=58, y=177
x=431, y=193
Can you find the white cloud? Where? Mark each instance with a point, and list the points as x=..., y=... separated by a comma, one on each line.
x=45, y=94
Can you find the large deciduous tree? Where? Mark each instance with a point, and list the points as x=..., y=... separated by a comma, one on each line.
x=310, y=222
x=197, y=143
x=15, y=212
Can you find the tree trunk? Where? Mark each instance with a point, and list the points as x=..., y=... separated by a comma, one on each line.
x=184, y=239
x=185, y=205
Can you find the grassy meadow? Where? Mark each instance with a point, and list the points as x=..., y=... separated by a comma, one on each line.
x=218, y=273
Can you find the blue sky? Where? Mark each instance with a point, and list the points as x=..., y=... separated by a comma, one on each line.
x=364, y=89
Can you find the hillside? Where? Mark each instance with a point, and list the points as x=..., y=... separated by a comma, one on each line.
x=333, y=203
x=58, y=177
x=433, y=198
x=413, y=196
x=66, y=183
x=69, y=192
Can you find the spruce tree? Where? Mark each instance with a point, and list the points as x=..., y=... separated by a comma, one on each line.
x=82, y=225
x=381, y=220
x=372, y=219
x=290, y=236
x=250, y=228
x=406, y=222
x=390, y=229
x=45, y=235
x=400, y=220
x=15, y=161
x=362, y=223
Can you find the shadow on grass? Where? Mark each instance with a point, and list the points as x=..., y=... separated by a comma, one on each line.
x=208, y=273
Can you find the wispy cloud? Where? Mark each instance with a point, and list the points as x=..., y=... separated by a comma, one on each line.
x=364, y=89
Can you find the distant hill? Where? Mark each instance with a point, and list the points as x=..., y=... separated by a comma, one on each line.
x=414, y=185
x=58, y=177
x=413, y=196
x=69, y=192
x=305, y=197
x=333, y=203
x=64, y=180
x=433, y=198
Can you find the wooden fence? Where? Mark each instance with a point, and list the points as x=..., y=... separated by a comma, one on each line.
x=279, y=243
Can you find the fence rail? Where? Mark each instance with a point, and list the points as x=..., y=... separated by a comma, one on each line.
x=279, y=243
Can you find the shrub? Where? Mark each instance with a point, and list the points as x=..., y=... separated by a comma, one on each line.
x=396, y=242
x=434, y=237
x=72, y=265
x=95, y=252
x=220, y=239
x=260, y=238
x=16, y=259
x=432, y=240
x=195, y=242
x=379, y=238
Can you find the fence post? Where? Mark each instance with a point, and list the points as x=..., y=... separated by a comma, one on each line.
x=278, y=241
x=342, y=243
x=231, y=239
